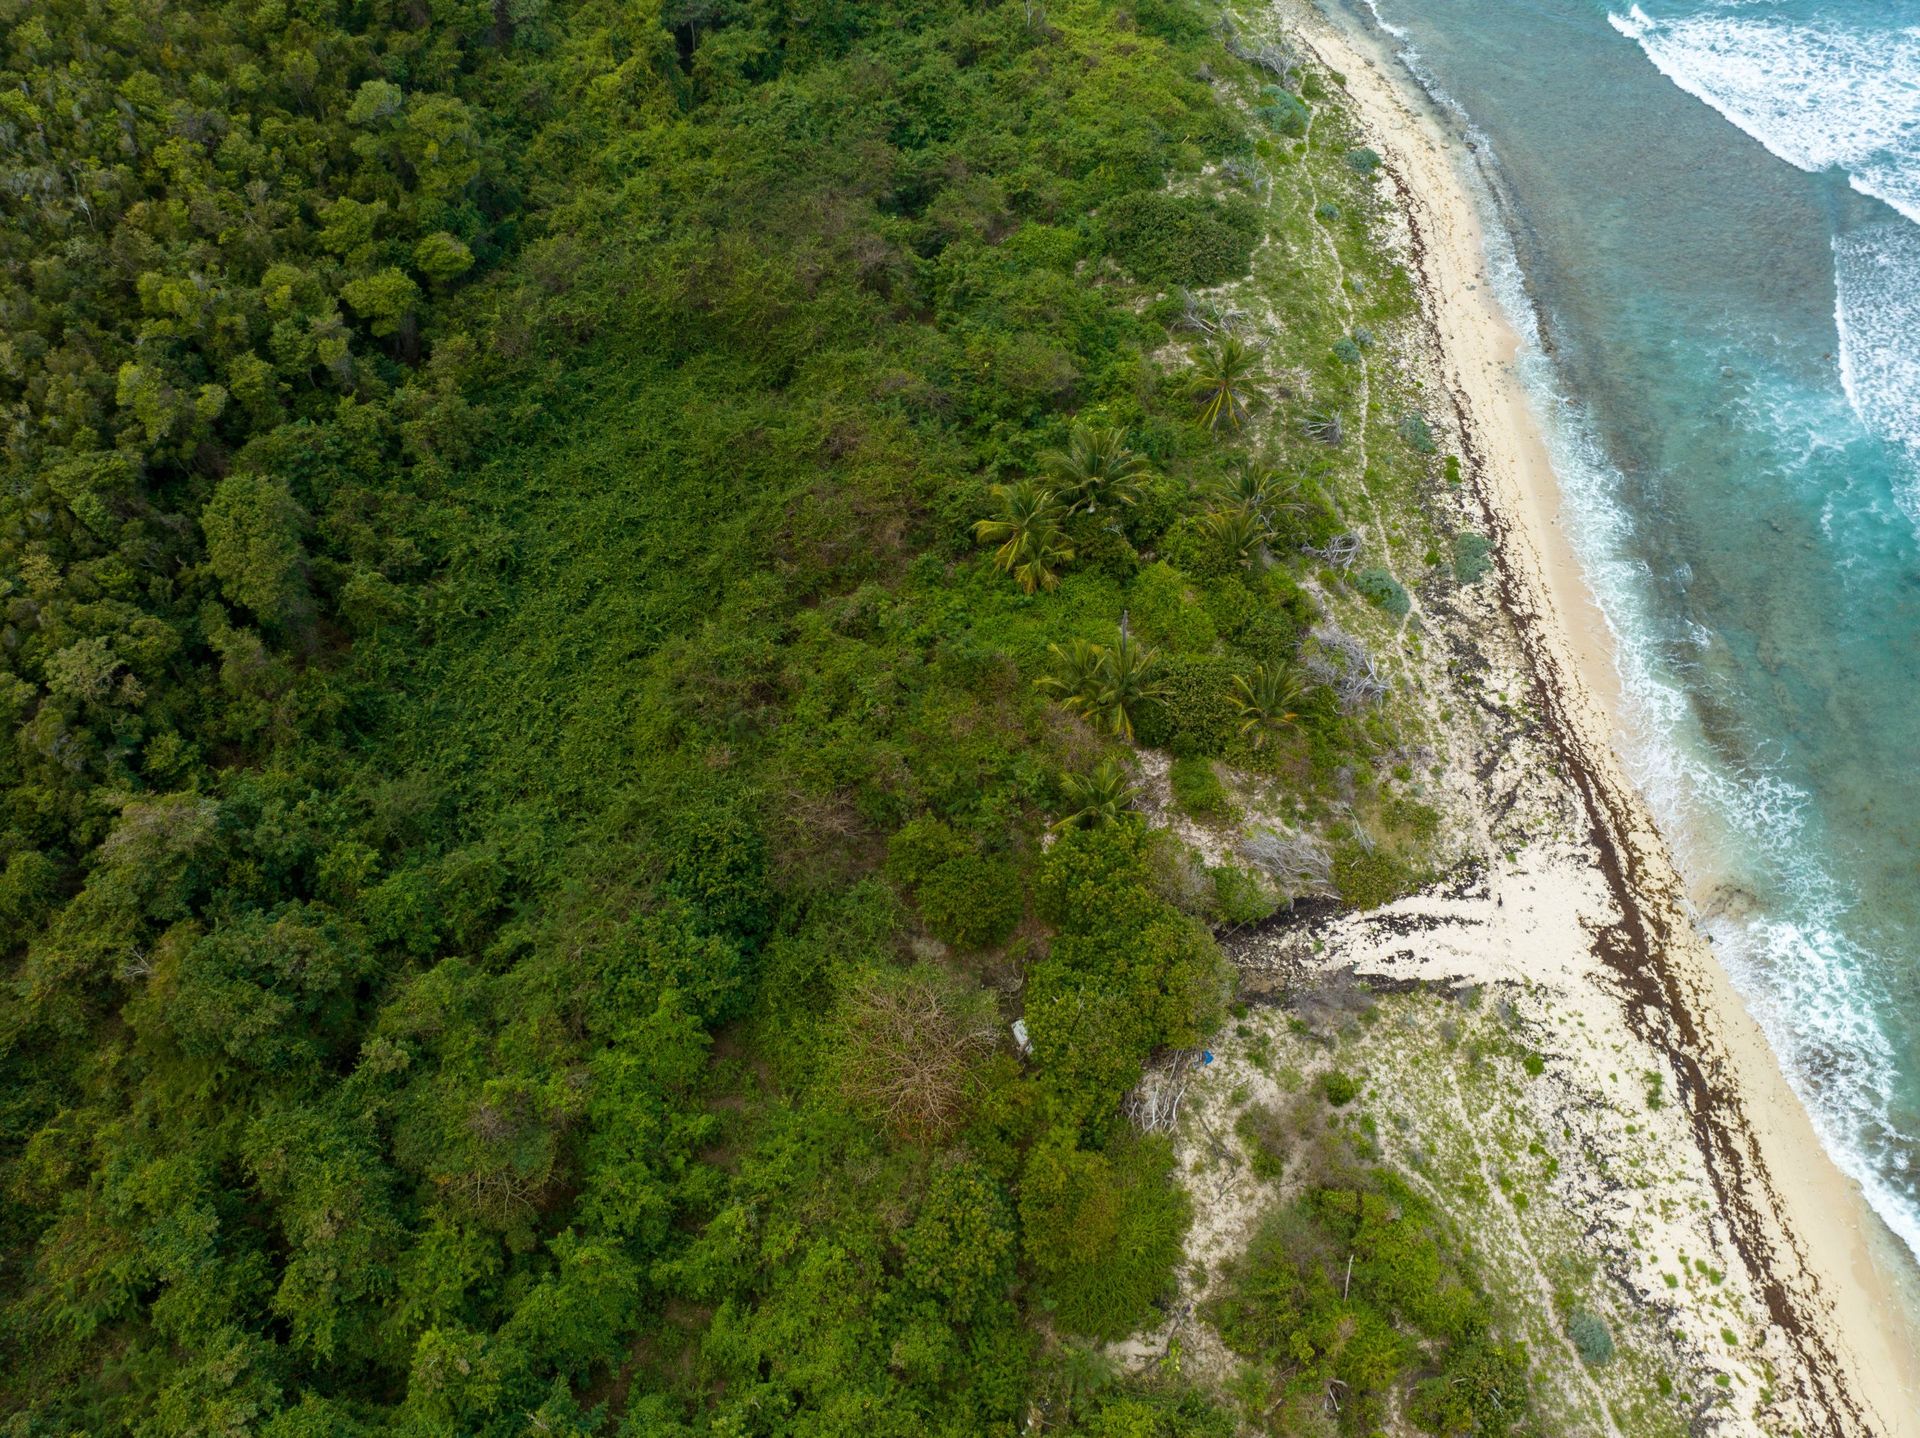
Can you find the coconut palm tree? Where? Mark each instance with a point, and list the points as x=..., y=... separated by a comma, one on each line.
x=1269, y=700
x=1242, y=530
x=1227, y=382
x=1104, y=684
x=1127, y=680
x=1258, y=487
x=1027, y=529
x=1095, y=468
x=1076, y=672
x=1100, y=796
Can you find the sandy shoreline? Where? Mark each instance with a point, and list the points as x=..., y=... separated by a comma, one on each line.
x=1829, y=1274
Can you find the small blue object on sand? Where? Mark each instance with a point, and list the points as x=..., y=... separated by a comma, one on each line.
x=1206, y=1056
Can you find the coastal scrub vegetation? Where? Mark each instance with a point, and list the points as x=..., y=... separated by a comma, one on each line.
x=1351, y=1292
x=575, y=584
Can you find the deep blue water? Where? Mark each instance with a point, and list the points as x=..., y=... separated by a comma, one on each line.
x=1714, y=213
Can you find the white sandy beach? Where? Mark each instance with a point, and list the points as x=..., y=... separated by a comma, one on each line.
x=1838, y=1263
x=1578, y=916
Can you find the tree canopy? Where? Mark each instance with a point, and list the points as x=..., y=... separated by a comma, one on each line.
x=512, y=744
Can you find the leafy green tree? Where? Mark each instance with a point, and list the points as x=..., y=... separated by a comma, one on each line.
x=442, y=257
x=1032, y=545
x=253, y=530
x=972, y=901
x=330, y=1196
x=386, y=300
x=1102, y=1231
x=960, y=1248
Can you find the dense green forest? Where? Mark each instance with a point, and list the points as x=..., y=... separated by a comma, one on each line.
x=575, y=581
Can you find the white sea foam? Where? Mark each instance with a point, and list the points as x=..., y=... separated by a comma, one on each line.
x=1399, y=32
x=1819, y=97
x=1877, y=313
x=1823, y=97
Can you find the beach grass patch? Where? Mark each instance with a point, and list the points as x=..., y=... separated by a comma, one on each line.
x=1367, y=879
x=1264, y=1131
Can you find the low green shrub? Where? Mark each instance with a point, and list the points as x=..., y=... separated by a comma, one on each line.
x=1102, y=1231
x=968, y=899
x=1366, y=880
x=1181, y=239
x=922, y=846
x=1197, y=788
x=1472, y=556
x=1101, y=545
x=1418, y=434
x=1363, y=161
x=1160, y=502
x=972, y=901
x=1163, y=615
x=1382, y=589
x=1452, y=468
x=1340, y=1088
x=1239, y=896
x=1326, y=210
x=1417, y=821
x=1592, y=1339
x=1283, y=112
x=1194, y=713
x=1359, y=1285
x=1346, y=351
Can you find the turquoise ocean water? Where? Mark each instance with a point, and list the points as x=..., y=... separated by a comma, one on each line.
x=1712, y=209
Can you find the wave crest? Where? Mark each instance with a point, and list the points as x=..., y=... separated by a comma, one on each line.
x=1820, y=98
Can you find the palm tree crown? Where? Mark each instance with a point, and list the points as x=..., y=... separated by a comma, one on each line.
x=1027, y=529
x=1227, y=383
x=1269, y=700
x=1100, y=796
x=1096, y=467
x=1102, y=683
x=1243, y=529
x=1260, y=488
